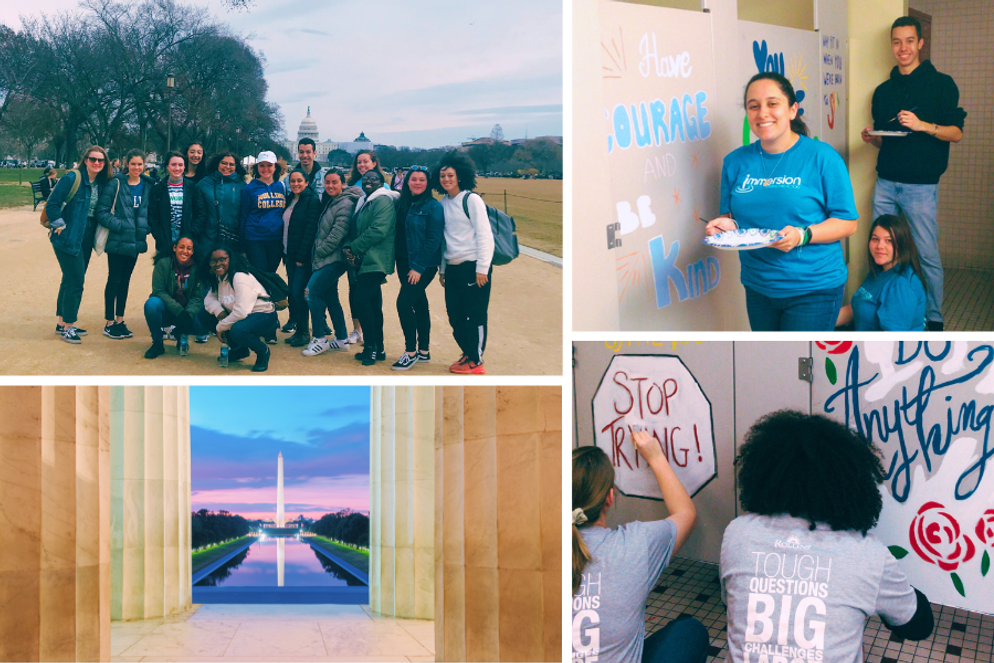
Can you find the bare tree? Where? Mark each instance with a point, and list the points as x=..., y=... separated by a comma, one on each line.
x=497, y=133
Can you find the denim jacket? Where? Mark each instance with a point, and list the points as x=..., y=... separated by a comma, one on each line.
x=423, y=230
x=72, y=216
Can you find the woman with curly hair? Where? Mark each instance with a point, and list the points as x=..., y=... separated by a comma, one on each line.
x=219, y=199
x=469, y=249
x=799, y=573
x=615, y=569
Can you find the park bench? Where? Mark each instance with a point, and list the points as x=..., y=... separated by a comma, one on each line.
x=36, y=193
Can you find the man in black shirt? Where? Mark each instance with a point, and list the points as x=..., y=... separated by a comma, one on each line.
x=918, y=100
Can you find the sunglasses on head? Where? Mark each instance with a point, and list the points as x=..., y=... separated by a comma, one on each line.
x=94, y=159
x=419, y=169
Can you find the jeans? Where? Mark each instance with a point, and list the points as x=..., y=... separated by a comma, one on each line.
x=158, y=316
x=369, y=298
x=119, y=270
x=264, y=254
x=466, y=304
x=811, y=311
x=322, y=294
x=412, y=307
x=297, y=278
x=683, y=640
x=73, y=276
x=920, y=205
x=247, y=332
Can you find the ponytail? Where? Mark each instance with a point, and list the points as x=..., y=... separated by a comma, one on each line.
x=593, y=478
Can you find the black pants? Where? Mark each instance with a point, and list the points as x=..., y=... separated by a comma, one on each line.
x=264, y=254
x=353, y=291
x=467, y=305
x=297, y=277
x=369, y=302
x=73, y=276
x=412, y=307
x=119, y=270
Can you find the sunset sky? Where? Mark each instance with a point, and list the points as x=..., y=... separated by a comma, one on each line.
x=237, y=433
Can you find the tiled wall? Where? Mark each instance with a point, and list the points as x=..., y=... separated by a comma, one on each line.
x=961, y=48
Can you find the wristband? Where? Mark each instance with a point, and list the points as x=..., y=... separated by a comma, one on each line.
x=936, y=128
x=805, y=236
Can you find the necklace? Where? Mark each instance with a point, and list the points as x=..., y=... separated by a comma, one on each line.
x=766, y=181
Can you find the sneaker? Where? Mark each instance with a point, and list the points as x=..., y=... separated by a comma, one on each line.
x=369, y=359
x=167, y=333
x=355, y=338
x=462, y=360
x=154, y=351
x=424, y=355
x=60, y=329
x=381, y=355
x=316, y=347
x=341, y=345
x=123, y=331
x=366, y=352
x=289, y=328
x=405, y=362
x=298, y=340
x=271, y=338
x=202, y=339
x=115, y=332
x=69, y=335
x=261, y=362
x=468, y=367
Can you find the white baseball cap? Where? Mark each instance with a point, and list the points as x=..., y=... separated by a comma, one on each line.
x=267, y=156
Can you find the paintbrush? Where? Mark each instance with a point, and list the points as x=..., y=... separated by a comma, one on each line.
x=895, y=117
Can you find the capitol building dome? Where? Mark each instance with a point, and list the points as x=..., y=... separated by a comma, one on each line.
x=308, y=128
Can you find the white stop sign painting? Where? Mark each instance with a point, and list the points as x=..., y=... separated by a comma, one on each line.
x=660, y=391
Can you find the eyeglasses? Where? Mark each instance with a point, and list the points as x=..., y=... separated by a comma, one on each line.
x=218, y=261
x=94, y=159
x=419, y=169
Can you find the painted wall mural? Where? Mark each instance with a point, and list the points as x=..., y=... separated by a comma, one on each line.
x=928, y=407
x=661, y=393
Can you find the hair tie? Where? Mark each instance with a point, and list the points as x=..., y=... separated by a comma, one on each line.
x=579, y=517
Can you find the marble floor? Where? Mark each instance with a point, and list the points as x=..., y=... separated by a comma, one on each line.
x=274, y=633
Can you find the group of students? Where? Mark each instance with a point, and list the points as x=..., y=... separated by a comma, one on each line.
x=219, y=240
x=799, y=574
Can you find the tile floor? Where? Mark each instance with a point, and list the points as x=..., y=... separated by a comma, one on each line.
x=968, y=299
x=274, y=633
x=691, y=587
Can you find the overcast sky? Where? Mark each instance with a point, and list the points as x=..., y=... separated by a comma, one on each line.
x=237, y=433
x=421, y=74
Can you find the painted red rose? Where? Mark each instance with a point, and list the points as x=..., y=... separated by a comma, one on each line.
x=936, y=537
x=985, y=528
x=834, y=347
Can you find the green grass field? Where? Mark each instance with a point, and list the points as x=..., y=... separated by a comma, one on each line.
x=540, y=223
x=10, y=175
x=209, y=556
x=357, y=558
x=15, y=196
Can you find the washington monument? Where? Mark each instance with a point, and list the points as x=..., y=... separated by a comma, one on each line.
x=279, y=491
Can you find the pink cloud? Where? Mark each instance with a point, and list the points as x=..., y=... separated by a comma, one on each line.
x=313, y=498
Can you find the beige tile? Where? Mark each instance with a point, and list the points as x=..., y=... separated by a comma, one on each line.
x=372, y=639
x=185, y=640
x=453, y=616
x=482, y=619
x=19, y=616
x=420, y=658
x=119, y=643
x=480, y=466
x=21, y=411
x=518, y=525
x=517, y=410
x=520, y=615
x=88, y=613
x=479, y=412
x=421, y=630
x=280, y=640
x=20, y=503
x=57, y=633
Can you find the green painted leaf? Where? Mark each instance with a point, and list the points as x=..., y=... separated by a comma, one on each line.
x=830, y=372
x=958, y=584
x=985, y=564
x=898, y=552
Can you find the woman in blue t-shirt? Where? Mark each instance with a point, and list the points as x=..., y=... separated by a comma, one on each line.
x=892, y=298
x=800, y=187
x=615, y=569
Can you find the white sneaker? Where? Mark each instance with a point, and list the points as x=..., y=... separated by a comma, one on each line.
x=355, y=337
x=168, y=333
x=335, y=344
x=315, y=347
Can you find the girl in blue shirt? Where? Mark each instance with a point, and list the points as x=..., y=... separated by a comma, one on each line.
x=799, y=187
x=892, y=298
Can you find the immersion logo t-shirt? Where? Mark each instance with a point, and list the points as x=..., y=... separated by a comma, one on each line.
x=609, y=608
x=800, y=187
x=794, y=594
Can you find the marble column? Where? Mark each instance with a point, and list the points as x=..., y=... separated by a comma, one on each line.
x=402, y=507
x=54, y=524
x=498, y=529
x=150, y=501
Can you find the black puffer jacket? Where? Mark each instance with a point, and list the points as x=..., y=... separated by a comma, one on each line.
x=303, y=226
x=159, y=213
x=128, y=225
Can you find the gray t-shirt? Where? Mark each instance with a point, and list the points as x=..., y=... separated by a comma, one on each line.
x=799, y=594
x=609, y=608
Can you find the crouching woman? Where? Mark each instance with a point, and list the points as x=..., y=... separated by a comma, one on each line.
x=177, y=297
x=237, y=307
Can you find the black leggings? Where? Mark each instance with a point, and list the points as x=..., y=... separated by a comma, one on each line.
x=119, y=270
x=467, y=305
x=412, y=307
x=369, y=300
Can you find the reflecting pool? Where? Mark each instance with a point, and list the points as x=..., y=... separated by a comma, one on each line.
x=279, y=563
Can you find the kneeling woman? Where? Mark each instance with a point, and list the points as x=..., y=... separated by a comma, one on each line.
x=813, y=483
x=177, y=297
x=892, y=298
x=237, y=307
x=615, y=569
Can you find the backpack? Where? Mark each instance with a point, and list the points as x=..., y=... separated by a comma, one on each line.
x=503, y=227
x=72, y=192
x=279, y=291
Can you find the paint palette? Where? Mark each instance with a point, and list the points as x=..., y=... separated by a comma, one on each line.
x=888, y=133
x=743, y=239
